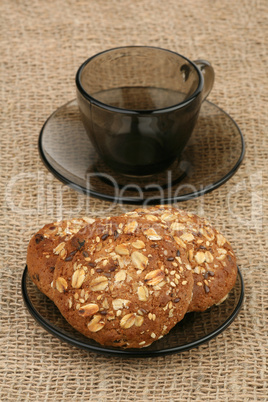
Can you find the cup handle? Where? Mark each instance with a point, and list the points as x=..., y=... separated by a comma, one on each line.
x=208, y=74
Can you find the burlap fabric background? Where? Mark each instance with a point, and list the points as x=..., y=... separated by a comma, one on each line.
x=42, y=45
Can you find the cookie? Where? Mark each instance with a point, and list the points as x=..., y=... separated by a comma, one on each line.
x=45, y=247
x=124, y=282
x=211, y=256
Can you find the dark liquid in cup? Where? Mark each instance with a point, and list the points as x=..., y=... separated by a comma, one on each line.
x=140, y=98
x=137, y=155
x=138, y=144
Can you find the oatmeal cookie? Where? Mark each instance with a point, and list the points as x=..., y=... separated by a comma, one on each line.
x=124, y=282
x=211, y=256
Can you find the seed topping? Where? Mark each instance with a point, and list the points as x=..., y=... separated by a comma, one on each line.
x=128, y=321
x=152, y=235
x=88, y=310
x=78, y=278
x=131, y=227
x=61, y=284
x=139, y=260
x=99, y=283
x=154, y=277
x=95, y=324
x=121, y=249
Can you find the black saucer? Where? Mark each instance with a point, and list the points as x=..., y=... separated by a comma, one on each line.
x=194, y=330
x=213, y=154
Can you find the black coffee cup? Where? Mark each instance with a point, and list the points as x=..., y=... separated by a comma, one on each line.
x=139, y=105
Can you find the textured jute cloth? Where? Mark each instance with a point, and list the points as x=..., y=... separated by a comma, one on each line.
x=42, y=45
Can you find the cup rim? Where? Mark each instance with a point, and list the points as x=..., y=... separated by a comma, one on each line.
x=111, y=108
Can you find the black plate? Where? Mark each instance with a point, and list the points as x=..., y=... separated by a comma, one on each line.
x=192, y=331
x=212, y=156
